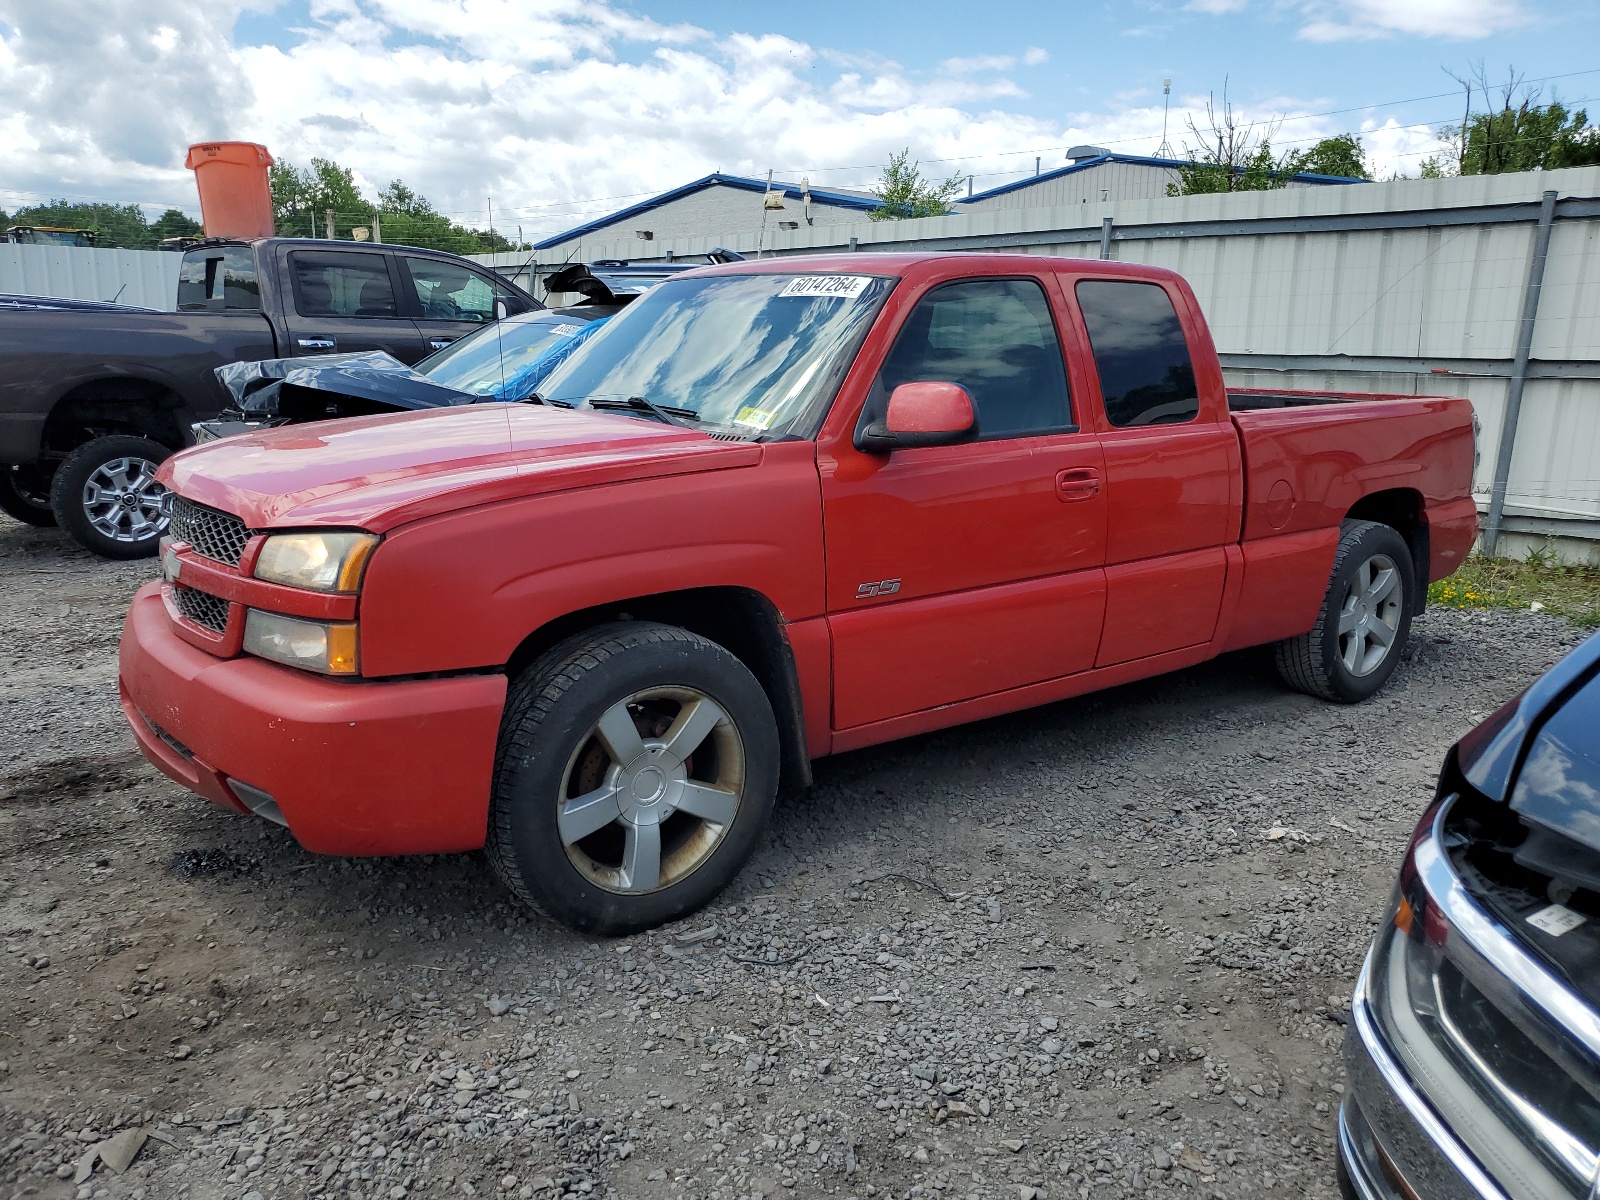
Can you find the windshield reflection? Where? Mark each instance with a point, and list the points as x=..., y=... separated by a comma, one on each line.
x=745, y=352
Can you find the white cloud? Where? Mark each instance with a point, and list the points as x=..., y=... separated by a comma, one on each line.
x=561, y=109
x=558, y=108
x=1344, y=20
x=1395, y=149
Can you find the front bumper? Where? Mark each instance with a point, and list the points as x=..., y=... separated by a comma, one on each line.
x=1392, y=1145
x=355, y=768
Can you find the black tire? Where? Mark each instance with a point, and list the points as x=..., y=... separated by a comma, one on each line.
x=118, y=528
x=1320, y=662
x=552, y=749
x=25, y=495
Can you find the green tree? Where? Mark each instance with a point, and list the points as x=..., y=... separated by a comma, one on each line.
x=120, y=226
x=1520, y=133
x=171, y=224
x=302, y=197
x=1234, y=155
x=902, y=191
x=1527, y=137
x=1340, y=155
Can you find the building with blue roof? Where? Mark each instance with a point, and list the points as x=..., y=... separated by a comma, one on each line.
x=1094, y=175
x=718, y=205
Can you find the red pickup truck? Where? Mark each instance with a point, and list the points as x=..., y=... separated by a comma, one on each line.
x=775, y=510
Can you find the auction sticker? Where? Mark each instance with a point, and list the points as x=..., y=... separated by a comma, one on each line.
x=1556, y=920
x=758, y=418
x=829, y=287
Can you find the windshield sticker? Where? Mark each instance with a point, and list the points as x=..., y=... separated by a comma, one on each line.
x=1556, y=920
x=827, y=287
x=756, y=418
x=566, y=330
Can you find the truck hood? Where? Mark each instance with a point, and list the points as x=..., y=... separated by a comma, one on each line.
x=379, y=472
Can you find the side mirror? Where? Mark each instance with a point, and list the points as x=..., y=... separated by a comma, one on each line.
x=921, y=414
x=499, y=310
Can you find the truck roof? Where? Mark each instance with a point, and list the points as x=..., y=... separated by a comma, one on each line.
x=957, y=263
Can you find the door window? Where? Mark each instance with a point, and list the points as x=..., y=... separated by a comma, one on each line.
x=1146, y=374
x=336, y=284
x=994, y=337
x=447, y=291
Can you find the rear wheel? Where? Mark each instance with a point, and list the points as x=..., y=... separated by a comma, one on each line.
x=105, y=495
x=25, y=494
x=636, y=769
x=1365, y=618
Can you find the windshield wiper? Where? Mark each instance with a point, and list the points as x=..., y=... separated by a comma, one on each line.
x=536, y=398
x=685, y=417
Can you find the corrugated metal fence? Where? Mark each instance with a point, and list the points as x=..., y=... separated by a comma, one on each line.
x=147, y=278
x=1413, y=287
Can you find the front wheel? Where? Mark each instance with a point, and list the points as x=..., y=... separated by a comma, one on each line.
x=1365, y=618
x=106, y=496
x=637, y=766
x=25, y=494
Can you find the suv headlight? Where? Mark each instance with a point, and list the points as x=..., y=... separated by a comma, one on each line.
x=329, y=647
x=318, y=562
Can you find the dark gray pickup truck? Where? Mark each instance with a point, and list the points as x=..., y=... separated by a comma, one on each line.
x=94, y=396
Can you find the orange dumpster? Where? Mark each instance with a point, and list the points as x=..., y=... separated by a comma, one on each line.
x=235, y=196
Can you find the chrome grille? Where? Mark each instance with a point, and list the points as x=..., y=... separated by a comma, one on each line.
x=213, y=534
x=202, y=608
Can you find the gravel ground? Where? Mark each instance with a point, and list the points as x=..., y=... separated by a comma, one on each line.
x=1058, y=954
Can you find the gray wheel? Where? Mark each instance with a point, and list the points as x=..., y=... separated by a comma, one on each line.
x=106, y=496
x=636, y=769
x=1365, y=618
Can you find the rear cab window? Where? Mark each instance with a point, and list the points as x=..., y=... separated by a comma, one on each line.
x=219, y=278
x=1140, y=353
x=332, y=283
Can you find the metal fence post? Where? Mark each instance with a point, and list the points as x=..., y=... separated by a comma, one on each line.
x=1519, y=373
x=1105, y=238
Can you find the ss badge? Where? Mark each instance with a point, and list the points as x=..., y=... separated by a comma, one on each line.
x=884, y=587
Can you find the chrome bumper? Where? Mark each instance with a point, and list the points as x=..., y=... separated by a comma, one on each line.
x=1386, y=1128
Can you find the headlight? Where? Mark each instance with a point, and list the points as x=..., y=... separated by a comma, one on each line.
x=320, y=562
x=327, y=647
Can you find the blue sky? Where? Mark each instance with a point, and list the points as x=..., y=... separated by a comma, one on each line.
x=565, y=109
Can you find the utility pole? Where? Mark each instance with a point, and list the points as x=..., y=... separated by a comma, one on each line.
x=377, y=230
x=491, y=222
x=327, y=228
x=761, y=239
x=1165, y=150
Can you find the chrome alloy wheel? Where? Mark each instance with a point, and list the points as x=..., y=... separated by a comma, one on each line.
x=124, y=502
x=651, y=791
x=1369, y=618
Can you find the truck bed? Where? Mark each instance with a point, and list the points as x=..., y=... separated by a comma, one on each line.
x=1310, y=456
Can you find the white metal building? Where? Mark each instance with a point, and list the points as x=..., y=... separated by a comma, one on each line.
x=724, y=204
x=1097, y=176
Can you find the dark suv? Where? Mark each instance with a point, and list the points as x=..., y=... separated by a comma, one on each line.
x=1473, y=1054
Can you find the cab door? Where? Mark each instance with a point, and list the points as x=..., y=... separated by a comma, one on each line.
x=958, y=571
x=347, y=300
x=1172, y=474
x=452, y=299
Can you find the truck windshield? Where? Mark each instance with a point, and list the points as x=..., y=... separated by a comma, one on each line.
x=747, y=353
x=509, y=359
